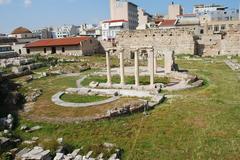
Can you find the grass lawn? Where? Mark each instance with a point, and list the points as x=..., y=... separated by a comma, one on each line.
x=144, y=80
x=76, y=98
x=202, y=123
x=45, y=109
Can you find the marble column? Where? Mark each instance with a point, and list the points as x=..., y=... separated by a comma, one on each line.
x=168, y=61
x=122, y=67
x=152, y=66
x=149, y=62
x=109, y=78
x=155, y=63
x=136, y=67
x=206, y=28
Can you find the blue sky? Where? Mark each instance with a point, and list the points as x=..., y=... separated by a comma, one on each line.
x=34, y=14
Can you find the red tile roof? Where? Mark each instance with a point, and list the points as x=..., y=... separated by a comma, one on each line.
x=21, y=30
x=115, y=21
x=167, y=22
x=57, y=42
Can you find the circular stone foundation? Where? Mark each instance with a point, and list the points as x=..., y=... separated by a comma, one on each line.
x=57, y=100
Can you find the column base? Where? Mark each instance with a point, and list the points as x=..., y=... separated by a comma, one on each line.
x=109, y=84
x=122, y=83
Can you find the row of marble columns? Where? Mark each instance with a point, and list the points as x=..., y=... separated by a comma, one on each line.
x=152, y=66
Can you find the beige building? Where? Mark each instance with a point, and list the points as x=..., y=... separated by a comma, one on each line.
x=22, y=32
x=218, y=26
x=75, y=46
x=174, y=10
x=143, y=18
x=122, y=9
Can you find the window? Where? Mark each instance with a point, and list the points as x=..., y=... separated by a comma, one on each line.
x=223, y=27
x=90, y=41
x=63, y=49
x=28, y=51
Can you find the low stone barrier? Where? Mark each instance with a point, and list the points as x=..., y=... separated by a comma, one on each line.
x=57, y=100
x=233, y=65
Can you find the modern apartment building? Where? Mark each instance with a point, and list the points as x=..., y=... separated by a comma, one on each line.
x=214, y=12
x=124, y=10
x=43, y=33
x=65, y=31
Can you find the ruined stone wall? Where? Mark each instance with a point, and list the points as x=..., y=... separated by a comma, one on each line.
x=230, y=44
x=180, y=40
x=209, y=45
x=219, y=44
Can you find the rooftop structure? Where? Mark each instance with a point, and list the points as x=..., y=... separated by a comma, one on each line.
x=110, y=28
x=214, y=12
x=21, y=32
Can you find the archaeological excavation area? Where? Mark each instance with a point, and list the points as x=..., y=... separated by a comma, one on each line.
x=82, y=101
x=122, y=104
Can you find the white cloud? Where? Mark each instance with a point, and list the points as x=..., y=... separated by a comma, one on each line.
x=28, y=3
x=4, y=1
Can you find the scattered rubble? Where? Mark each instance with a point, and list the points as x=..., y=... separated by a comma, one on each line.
x=94, y=84
x=28, y=129
x=234, y=65
x=7, y=122
x=24, y=68
x=33, y=95
x=17, y=61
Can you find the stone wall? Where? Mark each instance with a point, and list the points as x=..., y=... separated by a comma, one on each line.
x=179, y=40
x=230, y=44
x=209, y=45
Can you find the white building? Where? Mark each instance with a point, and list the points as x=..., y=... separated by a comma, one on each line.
x=90, y=30
x=122, y=9
x=214, y=12
x=44, y=33
x=65, y=31
x=112, y=27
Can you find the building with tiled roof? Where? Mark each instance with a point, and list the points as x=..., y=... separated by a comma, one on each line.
x=166, y=23
x=21, y=32
x=75, y=46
